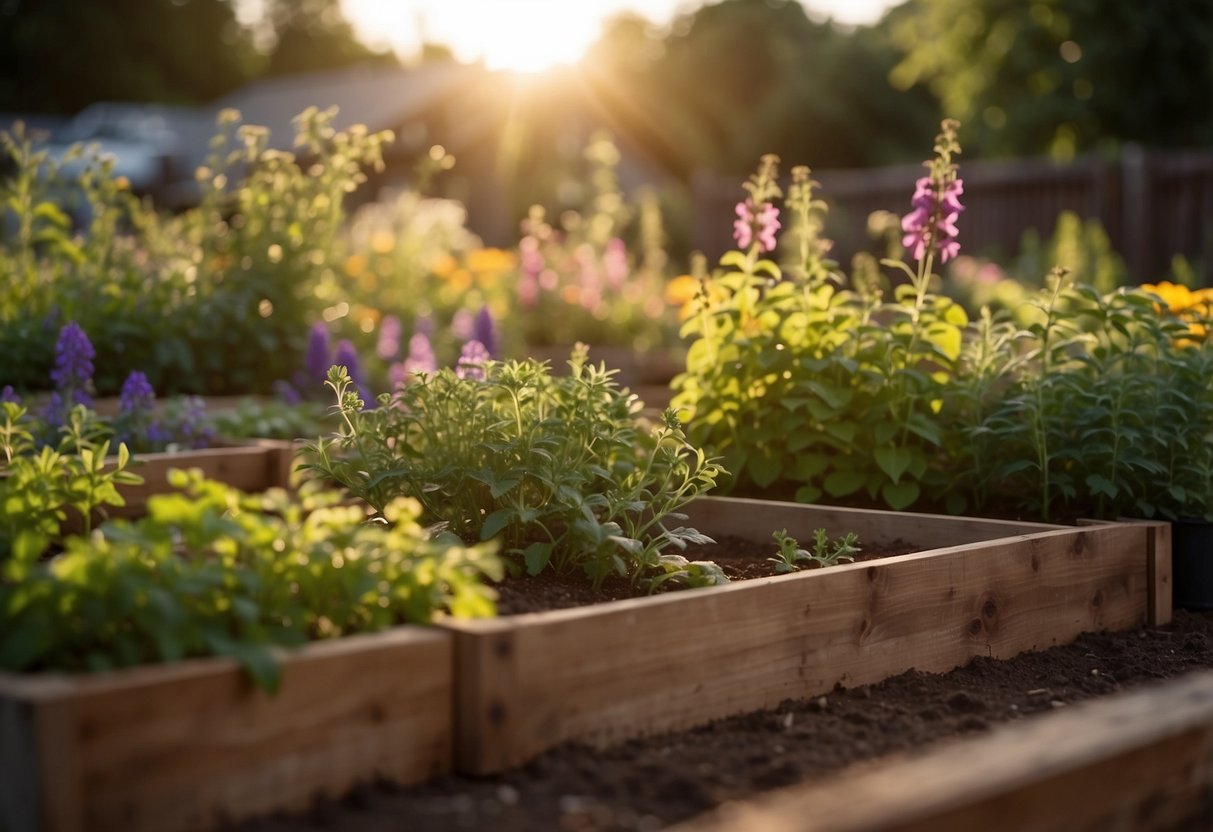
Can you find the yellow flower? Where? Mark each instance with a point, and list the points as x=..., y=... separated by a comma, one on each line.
x=444, y=264
x=355, y=265
x=382, y=242
x=1176, y=297
x=680, y=290
x=491, y=260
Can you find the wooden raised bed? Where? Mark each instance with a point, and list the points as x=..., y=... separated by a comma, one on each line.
x=253, y=466
x=191, y=745
x=605, y=673
x=1139, y=761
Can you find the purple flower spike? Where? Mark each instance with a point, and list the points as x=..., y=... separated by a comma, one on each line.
x=485, y=331
x=318, y=359
x=388, y=346
x=463, y=325
x=73, y=371
x=137, y=396
x=931, y=225
x=7, y=395
x=286, y=391
x=471, y=361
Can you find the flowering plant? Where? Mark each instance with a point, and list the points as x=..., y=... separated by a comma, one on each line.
x=809, y=387
x=558, y=468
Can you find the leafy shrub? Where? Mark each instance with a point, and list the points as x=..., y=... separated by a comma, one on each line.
x=558, y=468
x=217, y=299
x=212, y=571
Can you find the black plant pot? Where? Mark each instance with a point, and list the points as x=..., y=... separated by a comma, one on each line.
x=1192, y=563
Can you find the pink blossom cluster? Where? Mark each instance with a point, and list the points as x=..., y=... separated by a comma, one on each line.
x=931, y=225
x=761, y=225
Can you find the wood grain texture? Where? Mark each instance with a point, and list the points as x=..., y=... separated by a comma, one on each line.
x=1141, y=761
x=254, y=467
x=605, y=673
x=191, y=745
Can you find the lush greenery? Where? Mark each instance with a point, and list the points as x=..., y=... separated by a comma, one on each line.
x=560, y=469
x=208, y=571
x=1091, y=403
x=216, y=299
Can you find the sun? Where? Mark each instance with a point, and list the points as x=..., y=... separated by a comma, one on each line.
x=520, y=35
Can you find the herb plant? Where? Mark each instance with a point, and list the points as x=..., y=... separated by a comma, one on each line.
x=212, y=571
x=560, y=469
x=825, y=552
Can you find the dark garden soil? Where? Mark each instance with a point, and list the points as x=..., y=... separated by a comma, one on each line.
x=650, y=783
x=740, y=559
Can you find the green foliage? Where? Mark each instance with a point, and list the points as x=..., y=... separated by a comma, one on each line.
x=825, y=553
x=216, y=299
x=211, y=571
x=559, y=469
x=1054, y=77
x=269, y=419
x=40, y=488
x=800, y=383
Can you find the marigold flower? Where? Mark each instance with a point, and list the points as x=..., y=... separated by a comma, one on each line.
x=681, y=289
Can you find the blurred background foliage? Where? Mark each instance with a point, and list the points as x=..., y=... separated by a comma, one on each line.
x=719, y=86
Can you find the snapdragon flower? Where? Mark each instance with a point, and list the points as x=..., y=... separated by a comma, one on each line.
x=751, y=225
x=931, y=225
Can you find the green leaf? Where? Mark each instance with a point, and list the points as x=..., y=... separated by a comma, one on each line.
x=842, y=483
x=495, y=522
x=537, y=556
x=765, y=468
x=503, y=486
x=1101, y=485
x=893, y=461
x=900, y=495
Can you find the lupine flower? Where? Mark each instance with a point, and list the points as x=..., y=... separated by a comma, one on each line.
x=286, y=391
x=137, y=395
x=318, y=359
x=761, y=226
x=485, y=331
x=419, y=360
x=388, y=346
x=136, y=405
x=73, y=371
x=931, y=225
x=463, y=325
x=471, y=361
x=7, y=395
x=424, y=324
x=193, y=428
x=346, y=355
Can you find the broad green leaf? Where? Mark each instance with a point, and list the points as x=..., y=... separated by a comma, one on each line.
x=900, y=495
x=893, y=460
x=842, y=483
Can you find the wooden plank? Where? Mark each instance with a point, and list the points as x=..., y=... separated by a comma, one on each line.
x=612, y=671
x=1161, y=584
x=192, y=745
x=723, y=516
x=1140, y=761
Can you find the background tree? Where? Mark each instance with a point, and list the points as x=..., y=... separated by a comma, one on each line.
x=58, y=56
x=1063, y=76
x=312, y=35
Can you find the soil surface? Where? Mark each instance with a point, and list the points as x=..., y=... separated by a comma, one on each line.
x=650, y=783
x=740, y=559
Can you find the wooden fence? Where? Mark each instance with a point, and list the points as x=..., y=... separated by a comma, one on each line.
x=1153, y=205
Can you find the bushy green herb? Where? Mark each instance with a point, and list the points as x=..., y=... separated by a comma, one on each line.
x=40, y=488
x=212, y=571
x=825, y=553
x=559, y=468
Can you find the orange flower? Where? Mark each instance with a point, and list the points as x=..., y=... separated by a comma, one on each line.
x=491, y=260
x=355, y=265
x=382, y=242
x=444, y=264
x=680, y=290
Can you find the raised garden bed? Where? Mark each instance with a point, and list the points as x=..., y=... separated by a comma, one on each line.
x=605, y=673
x=1140, y=761
x=250, y=466
x=193, y=745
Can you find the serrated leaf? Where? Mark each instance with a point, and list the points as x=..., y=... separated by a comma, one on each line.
x=495, y=522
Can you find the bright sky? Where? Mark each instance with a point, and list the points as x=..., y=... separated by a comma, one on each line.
x=531, y=35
